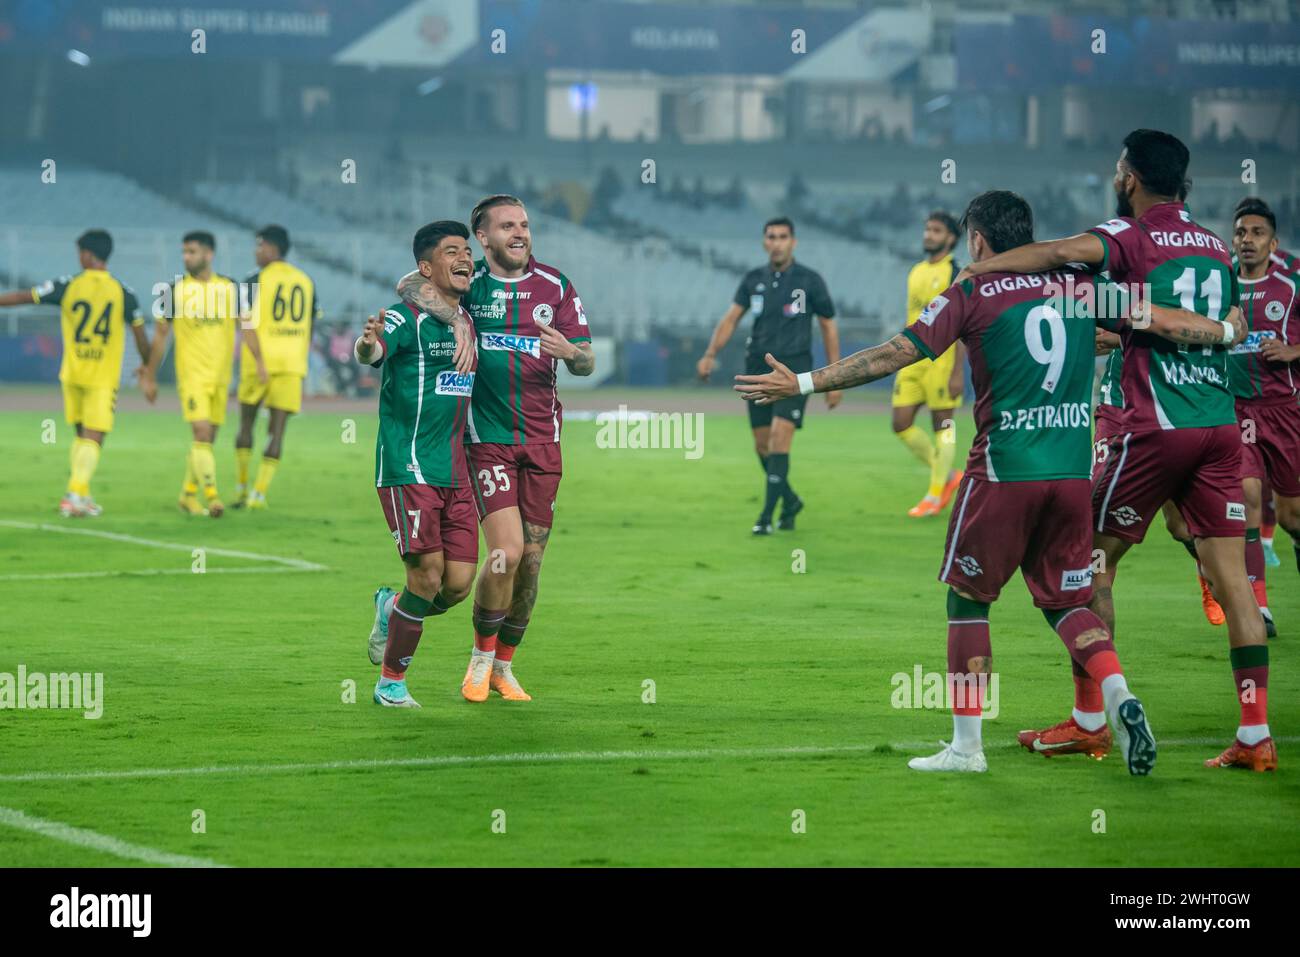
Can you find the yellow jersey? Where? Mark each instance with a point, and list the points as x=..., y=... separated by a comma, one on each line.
x=95, y=309
x=927, y=280
x=204, y=316
x=283, y=306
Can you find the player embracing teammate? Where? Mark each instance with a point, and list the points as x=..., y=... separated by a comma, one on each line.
x=526, y=317
x=420, y=468
x=1025, y=499
x=1179, y=439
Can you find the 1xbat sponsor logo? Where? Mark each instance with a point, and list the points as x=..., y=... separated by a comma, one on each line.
x=454, y=383
x=502, y=342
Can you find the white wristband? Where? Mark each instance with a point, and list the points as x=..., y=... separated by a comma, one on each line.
x=805, y=383
x=1229, y=333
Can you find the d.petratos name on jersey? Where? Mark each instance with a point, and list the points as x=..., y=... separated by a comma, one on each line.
x=1071, y=415
x=507, y=342
x=454, y=383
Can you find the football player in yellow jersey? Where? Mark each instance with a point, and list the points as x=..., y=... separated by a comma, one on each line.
x=273, y=359
x=204, y=311
x=938, y=383
x=95, y=310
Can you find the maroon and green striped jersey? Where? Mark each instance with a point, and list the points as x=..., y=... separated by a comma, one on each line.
x=1267, y=305
x=1167, y=385
x=515, y=399
x=423, y=402
x=1031, y=344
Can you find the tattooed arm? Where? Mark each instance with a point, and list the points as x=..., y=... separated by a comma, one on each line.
x=414, y=288
x=576, y=355
x=417, y=290
x=1179, y=325
x=858, y=369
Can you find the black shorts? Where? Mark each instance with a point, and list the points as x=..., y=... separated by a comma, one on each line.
x=791, y=409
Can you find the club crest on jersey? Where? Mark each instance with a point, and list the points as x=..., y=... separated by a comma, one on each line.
x=454, y=383
x=542, y=314
x=931, y=312
x=1274, y=310
x=503, y=342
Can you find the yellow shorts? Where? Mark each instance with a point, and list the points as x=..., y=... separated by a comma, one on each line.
x=90, y=406
x=926, y=383
x=203, y=401
x=282, y=390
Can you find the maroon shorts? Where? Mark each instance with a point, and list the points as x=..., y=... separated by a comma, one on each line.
x=1107, y=419
x=1270, y=445
x=425, y=518
x=1199, y=470
x=523, y=476
x=1042, y=528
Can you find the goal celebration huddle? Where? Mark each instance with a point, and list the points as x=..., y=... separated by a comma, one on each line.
x=1201, y=412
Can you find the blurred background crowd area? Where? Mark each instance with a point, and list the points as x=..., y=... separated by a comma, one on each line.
x=650, y=141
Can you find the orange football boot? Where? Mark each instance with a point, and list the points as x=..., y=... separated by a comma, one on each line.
x=951, y=488
x=1213, y=610
x=504, y=683
x=1257, y=757
x=1067, y=738
x=478, y=677
x=925, y=508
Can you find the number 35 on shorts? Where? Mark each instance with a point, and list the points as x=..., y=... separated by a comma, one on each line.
x=494, y=479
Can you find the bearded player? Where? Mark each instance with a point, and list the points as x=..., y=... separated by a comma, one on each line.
x=527, y=318
x=1025, y=499
x=1180, y=437
x=420, y=468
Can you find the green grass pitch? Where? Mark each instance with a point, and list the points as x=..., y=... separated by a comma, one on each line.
x=772, y=689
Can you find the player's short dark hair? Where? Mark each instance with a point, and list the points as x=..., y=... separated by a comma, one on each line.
x=427, y=237
x=491, y=202
x=97, y=242
x=779, y=221
x=1004, y=219
x=277, y=236
x=946, y=218
x=1254, y=206
x=1159, y=159
x=202, y=237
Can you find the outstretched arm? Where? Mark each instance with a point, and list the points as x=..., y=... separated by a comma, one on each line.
x=858, y=369
x=20, y=297
x=1041, y=257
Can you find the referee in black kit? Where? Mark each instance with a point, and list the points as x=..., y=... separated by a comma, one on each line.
x=783, y=297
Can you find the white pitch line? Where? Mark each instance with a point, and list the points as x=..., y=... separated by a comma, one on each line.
x=296, y=563
x=448, y=760
x=121, y=573
x=81, y=837
x=541, y=757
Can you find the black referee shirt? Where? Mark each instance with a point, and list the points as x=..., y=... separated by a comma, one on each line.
x=782, y=305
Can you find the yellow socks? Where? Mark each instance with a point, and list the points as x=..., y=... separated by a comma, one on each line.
x=242, y=457
x=918, y=443
x=84, y=459
x=945, y=447
x=203, y=468
x=265, y=472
